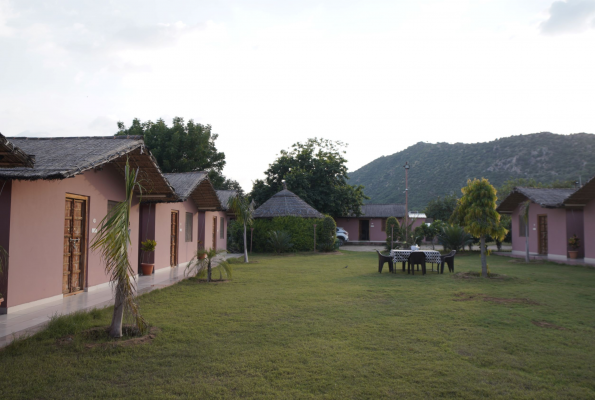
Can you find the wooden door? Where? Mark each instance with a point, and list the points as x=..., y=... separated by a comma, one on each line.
x=542, y=233
x=173, y=247
x=75, y=244
x=215, y=233
x=364, y=229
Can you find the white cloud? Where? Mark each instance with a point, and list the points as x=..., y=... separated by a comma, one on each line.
x=571, y=16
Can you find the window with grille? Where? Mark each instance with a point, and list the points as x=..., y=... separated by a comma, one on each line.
x=222, y=228
x=189, y=227
x=522, y=227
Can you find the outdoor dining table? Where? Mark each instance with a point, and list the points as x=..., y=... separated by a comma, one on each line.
x=432, y=256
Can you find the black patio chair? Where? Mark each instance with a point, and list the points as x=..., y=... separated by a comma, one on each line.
x=449, y=259
x=384, y=259
x=416, y=258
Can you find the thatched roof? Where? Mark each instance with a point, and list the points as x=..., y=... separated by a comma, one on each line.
x=284, y=204
x=545, y=197
x=224, y=196
x=582, y=196
x=196, y=186
x=11, y=156
x=61, y=158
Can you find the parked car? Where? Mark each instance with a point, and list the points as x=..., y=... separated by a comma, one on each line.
x=342, y=236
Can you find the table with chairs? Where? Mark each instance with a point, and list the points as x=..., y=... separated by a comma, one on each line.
x=417, y=258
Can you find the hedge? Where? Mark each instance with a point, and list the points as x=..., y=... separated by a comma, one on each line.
x=300, y=229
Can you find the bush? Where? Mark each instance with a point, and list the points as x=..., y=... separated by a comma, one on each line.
x=454, y=237
x=280, y=241
x=300, y=229
x=389, y=231
x=329, y=246
x=328, y=231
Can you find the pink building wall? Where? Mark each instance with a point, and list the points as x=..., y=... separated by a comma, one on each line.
x=37, y=232
x=351, y=225
x=589, y=232
x=221, y=243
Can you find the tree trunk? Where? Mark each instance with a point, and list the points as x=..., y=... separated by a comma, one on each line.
x=484, y=261
x=245, y=246
x=209, y=271
x=115, y=329
x=526, y=242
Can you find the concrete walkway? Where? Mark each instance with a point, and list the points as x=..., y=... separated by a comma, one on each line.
x=33, y=319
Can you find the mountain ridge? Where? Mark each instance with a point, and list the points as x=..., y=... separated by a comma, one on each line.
x=438, y=169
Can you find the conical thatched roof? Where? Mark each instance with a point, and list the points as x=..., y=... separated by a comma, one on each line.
x=285, y=204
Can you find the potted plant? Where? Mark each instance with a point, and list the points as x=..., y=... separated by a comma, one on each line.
x=574, y=243
x=147, y=247
x=201, y=253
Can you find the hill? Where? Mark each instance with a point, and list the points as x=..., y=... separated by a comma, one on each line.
x=442, y=168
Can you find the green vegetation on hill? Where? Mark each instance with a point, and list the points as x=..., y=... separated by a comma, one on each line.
x=440, y=169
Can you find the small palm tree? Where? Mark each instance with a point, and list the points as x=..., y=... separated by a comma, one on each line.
x=113, y=240
x=525, y=215
x=243, y=209
x=204, y=265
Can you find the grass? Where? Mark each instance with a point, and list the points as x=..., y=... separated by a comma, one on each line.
x=330, y=326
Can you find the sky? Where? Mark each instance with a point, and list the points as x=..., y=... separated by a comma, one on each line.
x=378, y=75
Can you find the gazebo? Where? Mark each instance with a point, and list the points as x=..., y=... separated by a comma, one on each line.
x=285, y=204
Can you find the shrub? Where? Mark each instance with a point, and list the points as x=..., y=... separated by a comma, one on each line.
x=328, y=246
x=328, y=232
x=280, y=241
x=454, y=237
x=389, y=231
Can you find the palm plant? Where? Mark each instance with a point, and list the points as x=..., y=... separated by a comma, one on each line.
x=243, y=209
x=112, y=240
x=454, y=237
x=280, y=241
x=525, y=215
x=202, y=266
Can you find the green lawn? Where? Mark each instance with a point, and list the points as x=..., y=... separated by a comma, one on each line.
x=305, y=326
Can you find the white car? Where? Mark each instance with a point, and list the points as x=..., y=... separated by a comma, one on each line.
x=342, y=236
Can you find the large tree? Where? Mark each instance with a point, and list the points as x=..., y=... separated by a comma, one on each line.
x=441, y=208
x=182, y=147
x=316, y=172
x=476, y=212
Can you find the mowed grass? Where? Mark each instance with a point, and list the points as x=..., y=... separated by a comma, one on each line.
x=330, y=326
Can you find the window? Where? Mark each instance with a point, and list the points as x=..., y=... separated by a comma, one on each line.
x=383, y=225
x=111, y=205
x=522, y=228
x=222, y=228
x=189, y=221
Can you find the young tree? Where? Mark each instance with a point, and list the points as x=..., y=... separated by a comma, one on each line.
x=242, y=207
x=113, y=240
x=182, y=147
x=317, y=173
x=476, y=212
x=441, y=207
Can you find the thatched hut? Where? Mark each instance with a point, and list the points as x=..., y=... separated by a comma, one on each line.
x=286, y=204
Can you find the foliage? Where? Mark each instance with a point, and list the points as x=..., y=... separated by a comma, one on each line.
x=242, y=207
x=327, y=247
x=454, y=237
x=316, y=172
x=476, y=211
x=182, y=147
x=113, y=240
x=443, y=168
x=574, y=242
x=279, y=241
x=201, y=265
x=300, y=229
x=328, y=231
x=148, y=246
x=392, y=225
x=418, y=234
x=441, y=207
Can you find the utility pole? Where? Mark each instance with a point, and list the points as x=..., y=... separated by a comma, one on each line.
x=406, y=166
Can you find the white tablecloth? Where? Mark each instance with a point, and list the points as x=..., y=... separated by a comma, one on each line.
x=432, y=256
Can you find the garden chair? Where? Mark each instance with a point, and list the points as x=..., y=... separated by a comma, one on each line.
x=448, y=259
x=384, y=259
x=416, y=258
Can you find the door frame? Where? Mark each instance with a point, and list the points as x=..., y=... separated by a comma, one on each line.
x=215, y=232
x=539, y=248
x=177, y=237
x=360, y=229
x=85, y=228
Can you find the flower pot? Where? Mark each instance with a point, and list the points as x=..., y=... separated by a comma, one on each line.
x=572, y=253
x=202, y=256
x=147, y=268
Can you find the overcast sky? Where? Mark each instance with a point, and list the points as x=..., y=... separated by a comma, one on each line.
x=379, y=75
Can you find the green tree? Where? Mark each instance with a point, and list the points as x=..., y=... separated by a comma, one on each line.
x=182, y=147
x=113, y=240
x=441, y=207
x=476, y=212
x=317, y=173
x=242, y=207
